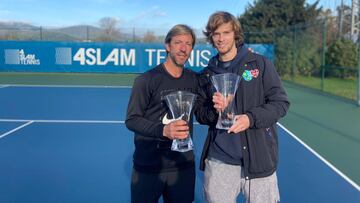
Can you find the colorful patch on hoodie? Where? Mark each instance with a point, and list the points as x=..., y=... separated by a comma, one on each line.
x=250, y=74
x=247, y=75
x=255, y=73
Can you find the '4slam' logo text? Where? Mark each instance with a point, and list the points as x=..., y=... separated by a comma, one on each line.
x=91, y=56
x=18, y=57
x=95, y=56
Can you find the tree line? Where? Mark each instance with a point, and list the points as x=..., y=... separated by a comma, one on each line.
x=306, y=37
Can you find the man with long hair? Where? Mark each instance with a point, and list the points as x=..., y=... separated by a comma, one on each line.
x=242, y=159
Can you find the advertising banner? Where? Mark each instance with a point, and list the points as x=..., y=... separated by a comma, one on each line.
x=38, y=56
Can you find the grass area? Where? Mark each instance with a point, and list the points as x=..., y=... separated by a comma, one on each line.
x=100, y=79
x=346, y=88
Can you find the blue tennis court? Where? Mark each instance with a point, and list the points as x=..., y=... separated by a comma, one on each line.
x=70, y=144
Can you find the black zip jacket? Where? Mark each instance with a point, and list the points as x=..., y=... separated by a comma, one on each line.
x=145, y=113
x=261, y=96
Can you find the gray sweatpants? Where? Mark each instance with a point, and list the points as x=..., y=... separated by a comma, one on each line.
x=223, y=183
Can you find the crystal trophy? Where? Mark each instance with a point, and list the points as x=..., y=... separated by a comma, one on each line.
x=226, y=84
x=180, y=104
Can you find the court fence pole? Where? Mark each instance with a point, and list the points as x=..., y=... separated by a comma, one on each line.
x=323, y=55
x=358, y=40
x=294, y=55
x=41, y=33
x=358, y=76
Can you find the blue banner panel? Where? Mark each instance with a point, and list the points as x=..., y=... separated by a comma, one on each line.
x=37, y=56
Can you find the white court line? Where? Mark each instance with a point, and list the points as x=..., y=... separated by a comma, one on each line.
x=2, y=86
x=16, y=129
x=70, y=86
x=321, y=158
x=61, y=121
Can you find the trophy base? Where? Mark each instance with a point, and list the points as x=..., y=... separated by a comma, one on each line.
x=224, y=124
x=182, y=145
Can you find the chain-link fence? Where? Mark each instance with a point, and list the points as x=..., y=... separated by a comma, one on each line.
x=310, y=54
x=87, y=34
x=313, y=55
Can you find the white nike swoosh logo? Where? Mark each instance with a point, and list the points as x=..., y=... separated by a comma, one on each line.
x=166, y=121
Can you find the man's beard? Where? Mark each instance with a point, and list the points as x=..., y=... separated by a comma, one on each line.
x=173, y=59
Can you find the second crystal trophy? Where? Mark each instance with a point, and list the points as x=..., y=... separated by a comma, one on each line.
x=226, y=84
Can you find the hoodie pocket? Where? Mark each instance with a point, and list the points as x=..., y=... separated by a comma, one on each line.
x=263, y=151
x=271, y=138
